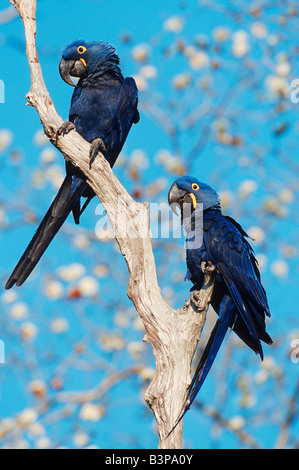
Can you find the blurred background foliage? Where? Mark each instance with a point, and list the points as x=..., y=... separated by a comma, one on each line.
x=216, y=102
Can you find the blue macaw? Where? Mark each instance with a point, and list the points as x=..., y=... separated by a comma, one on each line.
x=238, y=297
x=103, y=109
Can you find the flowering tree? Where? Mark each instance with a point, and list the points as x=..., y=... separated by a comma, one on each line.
x=219, y=104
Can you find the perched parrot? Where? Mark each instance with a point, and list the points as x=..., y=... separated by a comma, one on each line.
x=103, y=109
x=238, y=298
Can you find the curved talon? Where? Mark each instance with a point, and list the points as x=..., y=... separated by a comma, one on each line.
x=207, y=267
x=195, y=299
x=97, y=145
x=64, y=129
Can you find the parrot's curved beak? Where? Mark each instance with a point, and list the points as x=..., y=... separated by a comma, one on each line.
x=177, y=197
x=74, y=68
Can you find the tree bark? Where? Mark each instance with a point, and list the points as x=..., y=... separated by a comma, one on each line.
x=173, y=333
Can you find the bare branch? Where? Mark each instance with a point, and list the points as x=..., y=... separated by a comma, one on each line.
x=290, y=417
x=243, y=436
x=172, y=333
x=97, y=392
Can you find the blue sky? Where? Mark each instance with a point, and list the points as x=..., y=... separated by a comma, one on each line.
x=237, y=61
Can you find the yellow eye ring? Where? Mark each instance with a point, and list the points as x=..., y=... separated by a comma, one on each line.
x=81, y=49
x=195, y=187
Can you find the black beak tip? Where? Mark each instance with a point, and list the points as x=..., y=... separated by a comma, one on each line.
x=65, y=67
x=173, y=196
x=175, y=207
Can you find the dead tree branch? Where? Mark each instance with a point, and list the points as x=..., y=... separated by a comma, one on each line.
x=172, y=333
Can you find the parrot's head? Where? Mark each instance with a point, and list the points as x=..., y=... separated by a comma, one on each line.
x=188, y=190
x=81, y=58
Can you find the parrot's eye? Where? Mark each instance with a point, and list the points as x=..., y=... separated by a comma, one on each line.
x=81, y=49
x=195, y=187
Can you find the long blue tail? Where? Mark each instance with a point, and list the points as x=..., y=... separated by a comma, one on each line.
x=227, y=314
x=68, y=196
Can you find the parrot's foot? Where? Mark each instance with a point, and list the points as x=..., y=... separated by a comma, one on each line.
x=196, y=300
x=64, y=129
x=97, y=145
x=207, y=267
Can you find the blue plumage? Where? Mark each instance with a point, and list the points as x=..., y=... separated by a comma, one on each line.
x=99, y=56
x=103, y=109
x=239, y=297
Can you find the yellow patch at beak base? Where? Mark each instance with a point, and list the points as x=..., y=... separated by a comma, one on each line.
x=193, y=200
x=83, y=61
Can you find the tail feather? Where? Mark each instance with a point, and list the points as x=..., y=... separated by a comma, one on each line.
x=226, y=317
x=62, y=205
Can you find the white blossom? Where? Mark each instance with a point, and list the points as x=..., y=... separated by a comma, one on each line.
x=246, y=188
x=27, y=417
x=71, y=272
x=59, y=325
x=236, y=423
x=280, y=268
x=6, y=137
x=240, y=45
x=259, y=30
x=141, y=52
x=257, y=234
x=88, y=286
x=53, y=289
x=174, y=24
x=19, y=311
x=91, y=412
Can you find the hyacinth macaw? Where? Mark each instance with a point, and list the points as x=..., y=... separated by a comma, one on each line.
x=103, y=109
x=238, y=298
